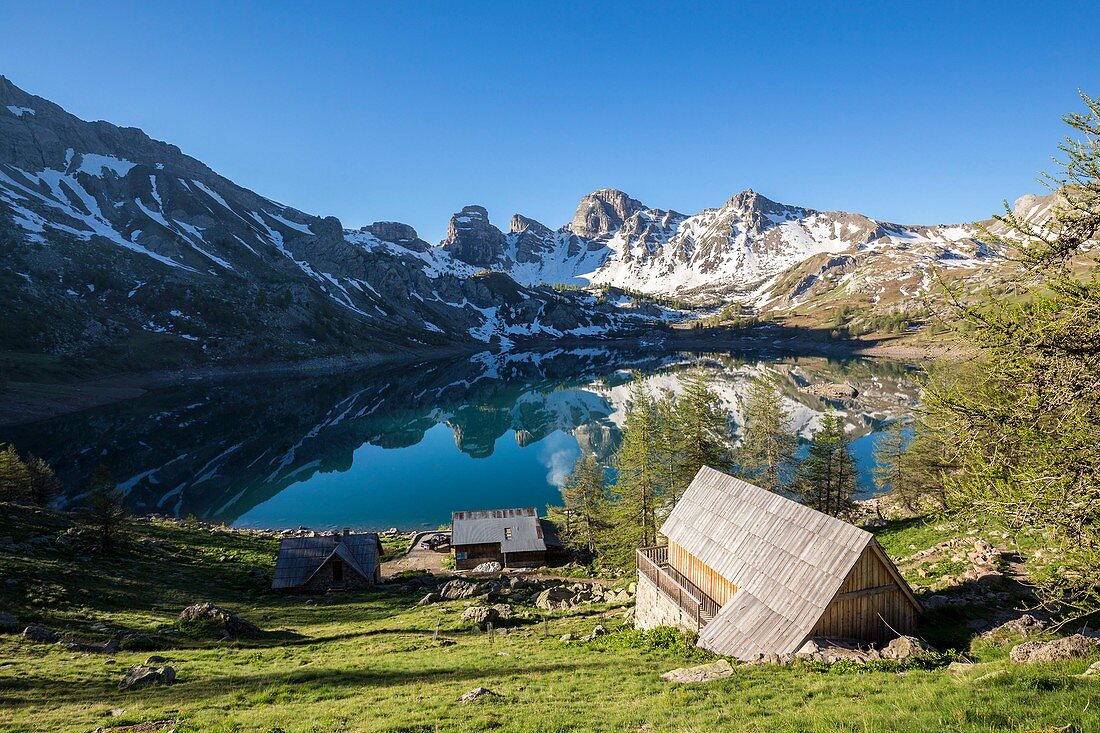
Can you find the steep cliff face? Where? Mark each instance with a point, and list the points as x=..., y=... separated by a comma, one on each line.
x=603, y=212
x=472, y=239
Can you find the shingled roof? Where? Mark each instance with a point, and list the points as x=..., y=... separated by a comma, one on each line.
x=487, y=527
x=301, y=557
x=786, y=560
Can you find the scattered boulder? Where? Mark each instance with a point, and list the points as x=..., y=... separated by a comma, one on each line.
x=476, y=694
x=488, y=567
x=143, y=676
x=701, y=673
x=155, y=659
x=481, y=615
x=109, y=648
x=905, y=647
x=820, y=649
x=230, y=622
x=596, y=632
x=1023, y=626
x=39, y=634
x=429, y=599
x=457, y=589
x=566, y=638
x=556, y=598
x=9, y=624
x=1068, y=647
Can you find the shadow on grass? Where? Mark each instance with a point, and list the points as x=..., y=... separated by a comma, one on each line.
x=324, y=683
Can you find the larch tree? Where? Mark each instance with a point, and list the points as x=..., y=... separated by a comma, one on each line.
x=704, y=436
x=766, y=454
x=890, y=471
x=638, y=485
x=42, y=483
x=15, y=477
x=1022, y=419
x=827, y=478
x=586, y=504
x=105, y=509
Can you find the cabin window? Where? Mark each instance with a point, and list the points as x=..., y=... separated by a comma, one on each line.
x=460, y=555
x=507, y=533
x=337, y=570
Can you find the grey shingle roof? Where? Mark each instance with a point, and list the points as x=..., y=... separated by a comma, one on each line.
x=787, y=561
x=301, y=557
x=487, y=527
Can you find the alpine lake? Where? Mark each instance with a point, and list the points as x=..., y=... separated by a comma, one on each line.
x=407, y=444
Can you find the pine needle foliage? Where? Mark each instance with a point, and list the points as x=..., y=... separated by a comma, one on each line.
x=1023, y=420
x=766, y=455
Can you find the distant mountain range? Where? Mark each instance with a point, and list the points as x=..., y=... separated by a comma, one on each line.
x=120, y=246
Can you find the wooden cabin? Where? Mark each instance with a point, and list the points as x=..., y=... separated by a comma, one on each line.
x=337, y=561
x=755, y=573
x=515, y=538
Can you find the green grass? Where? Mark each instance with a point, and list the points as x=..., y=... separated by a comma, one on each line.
x=367, y=661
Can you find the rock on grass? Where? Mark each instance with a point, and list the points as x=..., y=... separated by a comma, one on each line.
x=1068, y=647
x=701, y=673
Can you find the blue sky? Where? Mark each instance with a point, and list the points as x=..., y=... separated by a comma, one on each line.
x=913, y=112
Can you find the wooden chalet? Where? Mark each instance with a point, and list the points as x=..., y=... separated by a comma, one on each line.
x=515, y=538
x=335, y=561
x=755, y=573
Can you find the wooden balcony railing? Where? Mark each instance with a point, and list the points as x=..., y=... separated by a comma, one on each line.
x=653, y=563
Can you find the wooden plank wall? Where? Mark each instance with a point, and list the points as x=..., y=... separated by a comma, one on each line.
x=705, y=578
x=867, y=605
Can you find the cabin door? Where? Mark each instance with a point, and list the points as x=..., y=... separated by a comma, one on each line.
x=337, y=571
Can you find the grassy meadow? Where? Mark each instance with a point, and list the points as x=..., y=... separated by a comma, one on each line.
x=375, y=661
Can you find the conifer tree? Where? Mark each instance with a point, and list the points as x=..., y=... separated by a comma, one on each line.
x=827, y=478
x=890, y=471
x=766, y=454
x=106, y=511
x=703, y=433
x=14, y=475
x=586, y=504
x=1022, y=420
x=42, y=483
x=638, y=463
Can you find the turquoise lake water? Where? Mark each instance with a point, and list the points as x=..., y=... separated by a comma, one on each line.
x=405, y=446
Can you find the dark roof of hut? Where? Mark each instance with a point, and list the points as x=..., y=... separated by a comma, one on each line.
x=301, y=557
x=487, y=527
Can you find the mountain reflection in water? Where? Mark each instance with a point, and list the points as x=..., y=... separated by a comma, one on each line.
x=406, y=445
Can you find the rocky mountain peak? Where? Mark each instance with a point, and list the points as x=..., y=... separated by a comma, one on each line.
x=398, y=233
x=521, y=224
x=472, y=239
x=602, y=212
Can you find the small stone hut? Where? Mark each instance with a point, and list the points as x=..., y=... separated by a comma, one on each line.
x=337, y=561
x=755, y=573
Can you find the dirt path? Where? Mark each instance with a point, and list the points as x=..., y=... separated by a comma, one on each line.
x=419, y=557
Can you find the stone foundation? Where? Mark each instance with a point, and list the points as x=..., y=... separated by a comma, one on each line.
x=653, y=608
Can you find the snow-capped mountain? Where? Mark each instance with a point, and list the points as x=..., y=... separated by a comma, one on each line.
x=112, y=240
x=112, y=243
x=746, y=250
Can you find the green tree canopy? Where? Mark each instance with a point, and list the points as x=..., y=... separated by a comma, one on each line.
x=827, y=478
x=766, y=453
x=1022, y=420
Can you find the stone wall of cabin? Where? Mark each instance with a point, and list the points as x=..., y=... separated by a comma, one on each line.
x=653, y=608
